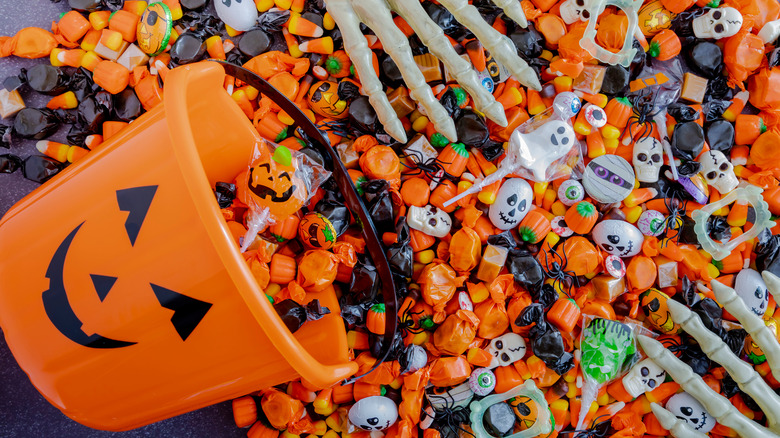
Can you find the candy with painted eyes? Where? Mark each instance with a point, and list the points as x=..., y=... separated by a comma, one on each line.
x=608, y=179
x=752, y=289
x=373, y=413
x=513, y=201
x=238, y=14
x=685, y=407
x=618, y=238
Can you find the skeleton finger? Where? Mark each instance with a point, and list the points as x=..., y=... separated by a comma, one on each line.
x=396, y=45
x=715, y=404
x=513, y=10
x=677, y=427
x=746, y=377
x=432, y=36
x=355, y=45
x=500, y=46
x=772, y=284
x=761, y=334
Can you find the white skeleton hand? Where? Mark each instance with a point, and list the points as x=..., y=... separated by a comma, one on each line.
x=746, y=377
x=376, y=14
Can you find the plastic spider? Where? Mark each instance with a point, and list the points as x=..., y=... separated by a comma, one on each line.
x=337, y=127
x=677, y=208
x=453, y=417
x=563, y=279
x=430, y=168
x=644, y=109
x=596, y=430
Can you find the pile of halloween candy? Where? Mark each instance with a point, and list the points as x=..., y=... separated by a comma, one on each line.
x=627, y=193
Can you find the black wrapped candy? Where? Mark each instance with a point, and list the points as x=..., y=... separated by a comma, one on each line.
x=295, y=315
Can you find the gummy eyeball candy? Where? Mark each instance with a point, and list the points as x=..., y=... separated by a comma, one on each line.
x=618, y=238
x=513, y=201
x=373, y=413
x=570, y=192
x=651, y=223
x=751, y=288
x=482, y=381
x=566, y=105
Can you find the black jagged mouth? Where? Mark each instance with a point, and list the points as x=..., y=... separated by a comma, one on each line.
x=506, y=220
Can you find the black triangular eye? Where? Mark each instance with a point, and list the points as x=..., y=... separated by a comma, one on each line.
x=512, y=200
x=686, y=411
x=521, y=207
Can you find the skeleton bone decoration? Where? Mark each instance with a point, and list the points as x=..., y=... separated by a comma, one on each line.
x=746, y=377
x=376, y=14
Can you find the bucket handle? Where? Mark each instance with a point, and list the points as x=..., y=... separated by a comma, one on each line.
x=347, y=187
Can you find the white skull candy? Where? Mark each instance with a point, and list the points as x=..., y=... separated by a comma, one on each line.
x=718, y=171
x=618, y=238
x=238, y=14
x=373, y=413
x=430, y=220
x=537, y=150
x=648, y=158
x=513, y=201
x=718, y=23
x=751, y=288
x=643, y=377
x=688, y=409
x=573, y=11
x=506, y=350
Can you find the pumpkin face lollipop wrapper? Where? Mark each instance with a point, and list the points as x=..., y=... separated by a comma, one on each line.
x=274, y=184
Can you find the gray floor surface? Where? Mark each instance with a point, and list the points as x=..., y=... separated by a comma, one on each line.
x=23, y=411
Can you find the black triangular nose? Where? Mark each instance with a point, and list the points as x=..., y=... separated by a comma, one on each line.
x=512, y=213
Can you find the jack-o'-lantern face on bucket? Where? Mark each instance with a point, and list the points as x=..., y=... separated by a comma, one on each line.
x=330, y=99
x=273, y=183
x=154, y=29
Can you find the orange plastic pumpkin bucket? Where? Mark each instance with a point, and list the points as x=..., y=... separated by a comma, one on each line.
x=122, y=293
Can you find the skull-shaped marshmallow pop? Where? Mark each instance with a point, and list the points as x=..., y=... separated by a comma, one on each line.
x=430, y=220
x=718, y=171
x=573, y=11
x=648, y=158
x=513, y=201
x=687, y=408
x=643, y=377
x=506, y=350
x=718, y=23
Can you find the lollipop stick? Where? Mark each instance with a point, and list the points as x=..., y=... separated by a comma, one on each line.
x=660, y=122
x=257, y=221
x=496, y=176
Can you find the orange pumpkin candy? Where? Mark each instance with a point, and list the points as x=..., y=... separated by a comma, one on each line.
x=330, y=99
x=315, y=231
x=273, y=183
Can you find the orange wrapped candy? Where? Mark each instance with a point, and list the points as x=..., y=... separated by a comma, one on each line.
x=454, y=336
x=611, y=33
x=30, y=42
x=579, y=254
x=493, y=317
x=317, y=268
x=381, y=162
x=742, y=55
x=285, y=412
x=765, y=151
x=449, y=371
x=438, y=282
x=465, y=250
x=271, y=63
